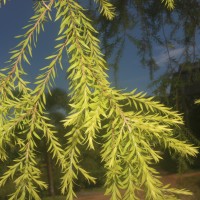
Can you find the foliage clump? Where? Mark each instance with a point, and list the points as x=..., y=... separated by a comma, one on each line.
x=130, y=136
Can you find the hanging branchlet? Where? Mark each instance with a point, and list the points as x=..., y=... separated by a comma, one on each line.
x=135, y=124
x=28, y=118
x=22, y=51
x=36, y=107
x=13, y=80
x=169, y=4
x=72, y=26
x=106, y=9
x=25, y=164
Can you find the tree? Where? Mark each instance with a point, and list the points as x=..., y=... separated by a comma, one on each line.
x=149, y=26
x=130, y=136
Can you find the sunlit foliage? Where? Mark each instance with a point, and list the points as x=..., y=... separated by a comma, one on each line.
x=132, y=125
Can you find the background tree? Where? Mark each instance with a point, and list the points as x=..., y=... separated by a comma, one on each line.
x=148, y=24
x=129, y=138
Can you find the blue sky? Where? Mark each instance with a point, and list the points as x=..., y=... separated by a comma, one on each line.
x=16, y=14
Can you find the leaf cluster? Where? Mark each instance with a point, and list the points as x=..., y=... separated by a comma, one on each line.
x=130, y=136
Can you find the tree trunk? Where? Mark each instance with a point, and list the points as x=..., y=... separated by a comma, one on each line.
x=50, y=174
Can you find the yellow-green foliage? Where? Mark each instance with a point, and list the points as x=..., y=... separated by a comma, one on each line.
x=169, y=3
x=130, y=137
x=197, y=101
